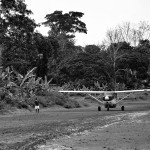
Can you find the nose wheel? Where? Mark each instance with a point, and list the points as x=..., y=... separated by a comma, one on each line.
x=107, y=108
x=99, y=108
x=122, y=108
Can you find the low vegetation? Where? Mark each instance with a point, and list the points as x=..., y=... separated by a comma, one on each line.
x=18, y=91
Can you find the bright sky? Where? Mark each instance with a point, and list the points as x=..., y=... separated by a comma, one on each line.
x=99, y=15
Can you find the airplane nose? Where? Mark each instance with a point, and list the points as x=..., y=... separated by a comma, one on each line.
x=106, y=98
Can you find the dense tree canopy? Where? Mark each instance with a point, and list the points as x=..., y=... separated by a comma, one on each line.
x=84, y=67
x=15, y=19
x=16, y=35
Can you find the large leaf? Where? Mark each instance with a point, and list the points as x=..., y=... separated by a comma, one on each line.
x=28, y=75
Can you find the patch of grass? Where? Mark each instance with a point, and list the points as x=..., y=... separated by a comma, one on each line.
x=85, y=104
x=56, y=98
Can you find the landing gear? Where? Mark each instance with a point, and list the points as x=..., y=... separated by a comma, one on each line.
x=122, y=108
x=99, y=108
x=108, y=108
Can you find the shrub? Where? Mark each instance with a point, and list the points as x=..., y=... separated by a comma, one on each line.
x=22, y=105
x=71, y=104
x=2, y=104
x=9, y=101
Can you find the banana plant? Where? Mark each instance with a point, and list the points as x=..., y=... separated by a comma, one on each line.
x=100, y=87
x=33, y=85
x=21, y=86
x=45, y=84
x=6, y=76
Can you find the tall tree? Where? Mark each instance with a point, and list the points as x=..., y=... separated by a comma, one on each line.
x=15, y=18
x=68, y=23
x=48, y=53
x=16, y=35
x=130, y=33
x=115, y=53
x=63, y=28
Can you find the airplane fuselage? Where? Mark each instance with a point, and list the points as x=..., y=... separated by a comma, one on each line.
x=110, y=103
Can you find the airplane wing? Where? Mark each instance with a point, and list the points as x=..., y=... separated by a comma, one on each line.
x=129, y=92
x=132, y=91
x=99, y=92
x=88, y=92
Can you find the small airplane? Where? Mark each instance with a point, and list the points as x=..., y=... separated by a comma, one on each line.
x=109, y=99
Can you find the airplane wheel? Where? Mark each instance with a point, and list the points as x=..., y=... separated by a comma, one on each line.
x=108, y=108
x=122, y=108
x=99, y=108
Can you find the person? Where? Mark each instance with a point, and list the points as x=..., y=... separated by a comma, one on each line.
x=37, y=107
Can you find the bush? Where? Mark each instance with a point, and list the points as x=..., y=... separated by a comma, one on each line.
x=9, y=101
x=72, y=104
x=22, y=105
x=2, y=105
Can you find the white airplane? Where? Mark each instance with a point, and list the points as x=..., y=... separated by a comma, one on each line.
x=109, y=99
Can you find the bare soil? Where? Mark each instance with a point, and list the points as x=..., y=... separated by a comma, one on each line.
x=78, y=129
x=132, y=133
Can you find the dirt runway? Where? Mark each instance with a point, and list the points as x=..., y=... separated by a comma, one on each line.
x=78, y=129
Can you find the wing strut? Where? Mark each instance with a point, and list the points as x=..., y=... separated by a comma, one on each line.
x=99, y=101
x=124, y=97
